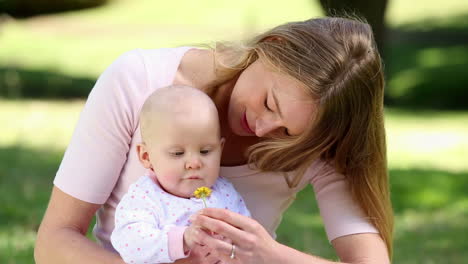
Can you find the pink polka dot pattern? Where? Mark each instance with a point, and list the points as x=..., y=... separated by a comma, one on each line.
x=147, y=216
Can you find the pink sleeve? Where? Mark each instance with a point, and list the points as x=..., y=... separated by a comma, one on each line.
x=340, y=213
x=175, y=239
x=100, y=143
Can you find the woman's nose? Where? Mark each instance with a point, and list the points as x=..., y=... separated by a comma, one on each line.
x=193, y=163
x=266, y=124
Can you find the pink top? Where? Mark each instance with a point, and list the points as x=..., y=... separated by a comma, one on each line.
x=100, y=162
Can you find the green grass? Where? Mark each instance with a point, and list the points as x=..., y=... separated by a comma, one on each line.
x=429, y=179
x=431, y=209
x=427, y=140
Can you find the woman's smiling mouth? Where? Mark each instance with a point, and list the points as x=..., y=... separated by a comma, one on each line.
x=245, y=124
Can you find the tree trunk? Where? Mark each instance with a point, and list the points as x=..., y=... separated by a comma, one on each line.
x=29, y=8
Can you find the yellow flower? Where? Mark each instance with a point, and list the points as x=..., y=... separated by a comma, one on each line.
x=202, y=192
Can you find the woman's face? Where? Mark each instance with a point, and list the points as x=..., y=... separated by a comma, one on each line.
x=265, y=103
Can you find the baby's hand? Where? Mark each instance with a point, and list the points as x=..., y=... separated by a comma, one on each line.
x=189, y=238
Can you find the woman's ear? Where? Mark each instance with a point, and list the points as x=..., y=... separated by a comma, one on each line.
x=143, y=155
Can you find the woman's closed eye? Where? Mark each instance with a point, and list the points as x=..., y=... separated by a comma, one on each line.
x=265, y=103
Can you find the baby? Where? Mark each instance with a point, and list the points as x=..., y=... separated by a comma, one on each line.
x=181, y=148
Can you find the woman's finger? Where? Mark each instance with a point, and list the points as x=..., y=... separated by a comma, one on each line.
x=208, y=241
x=234, y=219
x=234, y=234
x=226, y=258
x=202, y=255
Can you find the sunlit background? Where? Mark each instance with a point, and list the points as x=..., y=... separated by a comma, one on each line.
x=49, y=63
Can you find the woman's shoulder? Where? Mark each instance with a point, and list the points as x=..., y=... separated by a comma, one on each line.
x=320, y=167
x=135, y=74
x=162, y=61
x=318, y=172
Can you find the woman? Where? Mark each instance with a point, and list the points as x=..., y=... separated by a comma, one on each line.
x=304, y=100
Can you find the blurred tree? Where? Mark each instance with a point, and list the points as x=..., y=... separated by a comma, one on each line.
x=373, y=11
x=28, y=8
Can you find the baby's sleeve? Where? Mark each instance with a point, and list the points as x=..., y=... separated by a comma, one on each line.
x=100, y=143
x=138, y=235
x=340, y=213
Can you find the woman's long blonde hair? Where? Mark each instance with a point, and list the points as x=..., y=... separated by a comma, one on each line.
x=337, y=60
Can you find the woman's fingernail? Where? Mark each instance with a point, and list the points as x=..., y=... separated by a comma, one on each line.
x=192, y=218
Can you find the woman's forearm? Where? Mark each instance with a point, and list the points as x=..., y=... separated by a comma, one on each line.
x=287, y=255
x=357, y=248
x=69, y=246
x=255, y=245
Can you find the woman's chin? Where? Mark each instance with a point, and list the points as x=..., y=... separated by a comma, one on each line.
x=239, y=131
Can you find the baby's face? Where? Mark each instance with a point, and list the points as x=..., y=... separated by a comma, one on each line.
x=185, y=154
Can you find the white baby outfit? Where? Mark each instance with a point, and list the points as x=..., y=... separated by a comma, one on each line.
x=149, y=222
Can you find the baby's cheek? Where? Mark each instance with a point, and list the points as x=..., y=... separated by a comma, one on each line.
x=172, y=175
x=169, y=176
x=214, y=173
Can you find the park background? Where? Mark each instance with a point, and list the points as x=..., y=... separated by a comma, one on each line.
x=49, y=63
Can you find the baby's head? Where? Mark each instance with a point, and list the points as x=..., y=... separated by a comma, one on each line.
x=181, y=137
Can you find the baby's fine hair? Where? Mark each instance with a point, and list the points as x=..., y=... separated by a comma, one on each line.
x=175, y=101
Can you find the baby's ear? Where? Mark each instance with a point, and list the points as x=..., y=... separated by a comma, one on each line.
x=143, y=155
x=221, y=143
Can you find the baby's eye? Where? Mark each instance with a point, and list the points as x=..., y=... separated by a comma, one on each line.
x=204, y=151
x=177, y=153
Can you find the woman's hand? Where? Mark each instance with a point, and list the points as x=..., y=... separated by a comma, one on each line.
x=253, y=244
x=199, y=254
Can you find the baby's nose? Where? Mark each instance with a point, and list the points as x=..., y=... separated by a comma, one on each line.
x=193, y=164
